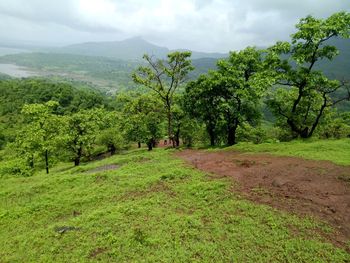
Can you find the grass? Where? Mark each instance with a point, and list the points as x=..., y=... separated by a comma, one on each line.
x=153, y=208
x=337, y=151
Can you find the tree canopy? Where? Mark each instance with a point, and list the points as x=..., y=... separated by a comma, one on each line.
x=306, y=93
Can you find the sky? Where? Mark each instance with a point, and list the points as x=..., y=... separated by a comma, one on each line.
x=201, y=25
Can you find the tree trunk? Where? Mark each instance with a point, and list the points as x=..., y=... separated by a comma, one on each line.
x=112, y=149
x=212, y=138
x=31, y=162
x=304, y=133
x=231, y=136
x=138, y=144
x=211, y=132
x=189, y=142
x=170, y=128
x=77, y=159
x=150, y=145
x=47, y=161
x=177, y=137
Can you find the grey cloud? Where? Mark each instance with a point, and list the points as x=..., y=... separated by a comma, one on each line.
x=206, y=25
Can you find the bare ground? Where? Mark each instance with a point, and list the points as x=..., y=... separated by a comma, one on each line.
x=309, y=188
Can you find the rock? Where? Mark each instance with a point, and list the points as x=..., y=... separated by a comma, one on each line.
x=332, y=209
x=63, y=229
x=76, y=213
x=278, y=182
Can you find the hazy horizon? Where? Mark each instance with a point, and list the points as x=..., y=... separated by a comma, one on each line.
x=207, y=25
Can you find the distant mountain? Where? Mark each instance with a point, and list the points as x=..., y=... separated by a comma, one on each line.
x=129, y=49
x=108, y=65
x=339, y=67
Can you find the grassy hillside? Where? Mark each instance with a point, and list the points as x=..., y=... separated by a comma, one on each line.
x=337, y=151
x=150, y=208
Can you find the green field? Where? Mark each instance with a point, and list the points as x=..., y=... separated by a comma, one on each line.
x=337, y=151
x=152, y=208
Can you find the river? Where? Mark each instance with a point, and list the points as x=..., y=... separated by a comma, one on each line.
x=15, y=71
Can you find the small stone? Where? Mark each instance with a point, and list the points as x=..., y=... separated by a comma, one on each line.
x=332, y=209
x=278, y=182
x=63, y=229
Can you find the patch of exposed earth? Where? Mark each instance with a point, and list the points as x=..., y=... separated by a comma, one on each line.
x=304, y=187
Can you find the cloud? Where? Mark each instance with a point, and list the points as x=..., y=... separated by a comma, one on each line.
x=207, y=25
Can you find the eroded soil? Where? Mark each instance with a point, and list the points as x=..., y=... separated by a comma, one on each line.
x=314, y=188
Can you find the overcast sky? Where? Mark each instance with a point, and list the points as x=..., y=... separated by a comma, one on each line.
x=203, y=25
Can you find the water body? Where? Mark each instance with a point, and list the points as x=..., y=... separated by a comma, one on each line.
x=15, y=71
x=8, y=51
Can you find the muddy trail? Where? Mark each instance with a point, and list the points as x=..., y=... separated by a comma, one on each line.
x=319, y=189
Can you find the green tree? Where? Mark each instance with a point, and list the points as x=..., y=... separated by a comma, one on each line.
x=81, y=130
x=231, y=95
x=143, y=120
x=40, y=134
x=164, y=77
x=203, y=103
x=304, y=101
x=111, y=134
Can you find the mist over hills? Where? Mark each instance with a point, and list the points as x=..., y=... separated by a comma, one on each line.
x=129, y=49
x=108, y=65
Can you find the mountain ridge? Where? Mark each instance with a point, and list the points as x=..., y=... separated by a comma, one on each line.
x=128, y=49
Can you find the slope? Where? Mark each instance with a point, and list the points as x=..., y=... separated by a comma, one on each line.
x=150, y=208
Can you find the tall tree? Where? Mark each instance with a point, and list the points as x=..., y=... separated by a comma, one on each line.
x=81, y=130
x=229, y=96
x=202, y=102
x=143, y=119
x=40, y=135
x=164, y=77
x=111, y=134
x=304, y=102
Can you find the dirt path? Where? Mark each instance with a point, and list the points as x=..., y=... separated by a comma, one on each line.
x=303, y=187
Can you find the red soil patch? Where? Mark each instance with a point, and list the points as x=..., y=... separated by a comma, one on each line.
x=303, y=187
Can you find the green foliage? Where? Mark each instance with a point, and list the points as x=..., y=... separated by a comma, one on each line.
x=15, y=167
x=248, y=133
x=112, y=135
x=303, y=105
x=185, y=127
x=39, y=136
x=113, y=139
x=143, y=119
x=81, y=130
x=14, y=94
x=164, y=77
x=335, y=126
x=229, y=97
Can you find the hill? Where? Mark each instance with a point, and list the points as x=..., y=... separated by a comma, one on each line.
x=129, y=49
x=109, y=75
x=150, y=206
x=108, y=65
x=339, y=68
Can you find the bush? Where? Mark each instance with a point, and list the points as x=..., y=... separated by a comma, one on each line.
x=248, y=133
x=335, y=126
x=113, y=140
x=15, y=167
